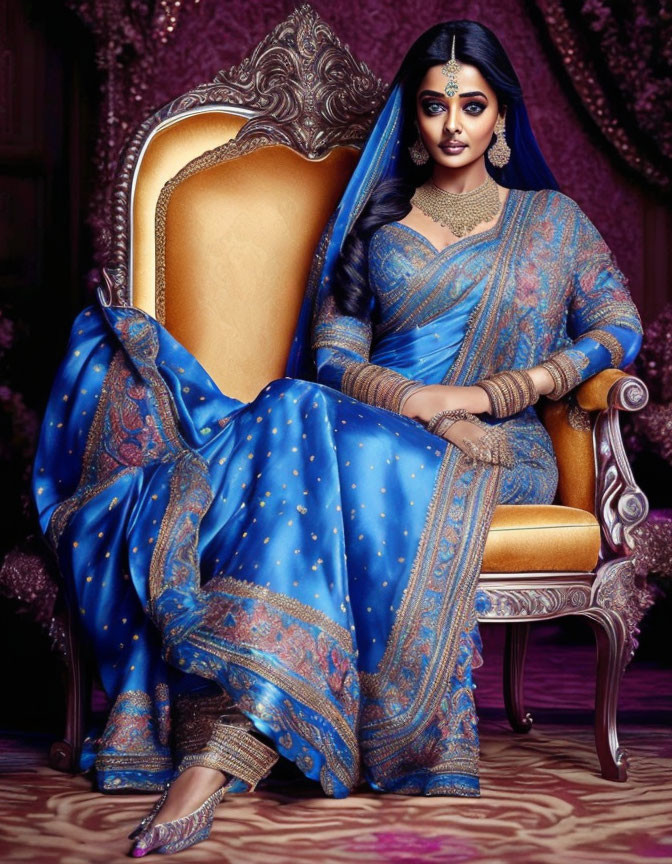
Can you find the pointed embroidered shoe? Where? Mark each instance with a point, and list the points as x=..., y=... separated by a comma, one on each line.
x=149, y=818
x=169, y=837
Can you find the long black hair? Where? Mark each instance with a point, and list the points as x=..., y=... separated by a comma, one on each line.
x=475, y=45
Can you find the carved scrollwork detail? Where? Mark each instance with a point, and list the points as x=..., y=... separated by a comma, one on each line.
x=620, y=502
x=301, y=87
x=633, y=506
x=619, y=589
x=306, y=85
x=628, y=394
x=533, y=602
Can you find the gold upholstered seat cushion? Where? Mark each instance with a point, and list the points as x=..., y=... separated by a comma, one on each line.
x=528, y=538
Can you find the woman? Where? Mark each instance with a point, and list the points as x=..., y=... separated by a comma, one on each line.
x=297, y=575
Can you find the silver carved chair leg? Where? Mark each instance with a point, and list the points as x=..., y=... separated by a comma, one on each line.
x=611, y=639
x=515, y=649
x=619, y=600
x=619, y=597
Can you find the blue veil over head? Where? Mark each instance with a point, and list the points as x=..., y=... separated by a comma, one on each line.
x=384, y=155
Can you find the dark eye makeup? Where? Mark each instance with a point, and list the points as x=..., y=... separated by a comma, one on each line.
x=475, y=108
x=432, y=107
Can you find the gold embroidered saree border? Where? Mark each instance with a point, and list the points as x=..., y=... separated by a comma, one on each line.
x=606, y=340
x=462, y=370
x=435, y=681
x=183, y=472
x=299, y=690
x=438, y=261
x=61, y=515
x=133, y=762
x=290, y=605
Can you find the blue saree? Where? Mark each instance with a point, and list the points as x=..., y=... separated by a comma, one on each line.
x=313, y=557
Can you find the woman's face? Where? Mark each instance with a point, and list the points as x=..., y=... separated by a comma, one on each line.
x=458, y=129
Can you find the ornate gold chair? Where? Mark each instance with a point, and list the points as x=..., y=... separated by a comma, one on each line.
x=220, y=202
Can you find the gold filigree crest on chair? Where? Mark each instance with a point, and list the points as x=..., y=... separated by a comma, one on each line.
x=300, y=87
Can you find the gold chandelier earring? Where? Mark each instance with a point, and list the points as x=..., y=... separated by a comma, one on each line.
x=500, y=152
x=417, y=151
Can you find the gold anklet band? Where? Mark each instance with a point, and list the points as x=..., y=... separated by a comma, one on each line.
x=234, y=751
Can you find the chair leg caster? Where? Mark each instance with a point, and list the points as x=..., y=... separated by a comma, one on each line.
x=616, y=769
x=515, y=649
x=63, y=757
x=522, y=724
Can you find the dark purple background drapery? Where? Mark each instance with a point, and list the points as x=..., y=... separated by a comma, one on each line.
x=619, y=59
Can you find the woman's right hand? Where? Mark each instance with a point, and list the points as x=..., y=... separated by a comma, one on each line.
x=430, y=400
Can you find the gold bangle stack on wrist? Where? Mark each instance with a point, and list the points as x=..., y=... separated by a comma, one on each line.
x=564, y=373
x=376, y=385
x=509, y=392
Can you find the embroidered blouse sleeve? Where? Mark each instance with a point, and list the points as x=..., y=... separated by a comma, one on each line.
x=602, y=320
x=342, y=346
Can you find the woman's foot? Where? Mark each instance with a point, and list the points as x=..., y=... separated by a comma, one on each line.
x=185, y=814
x=188, y=791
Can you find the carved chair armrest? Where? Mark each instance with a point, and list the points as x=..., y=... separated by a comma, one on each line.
x=620, y=505
x=599, y=393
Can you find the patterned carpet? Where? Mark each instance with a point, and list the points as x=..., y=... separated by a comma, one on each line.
x=542, y=802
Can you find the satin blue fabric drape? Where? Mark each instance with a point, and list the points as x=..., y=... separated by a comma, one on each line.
x=205, y=537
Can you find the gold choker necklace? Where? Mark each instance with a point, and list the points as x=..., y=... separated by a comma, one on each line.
x=459, y=211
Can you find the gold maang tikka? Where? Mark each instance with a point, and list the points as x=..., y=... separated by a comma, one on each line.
x=450, y=70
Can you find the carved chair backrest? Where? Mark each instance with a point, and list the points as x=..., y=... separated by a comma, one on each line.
x=223, y=195
x=221, y=200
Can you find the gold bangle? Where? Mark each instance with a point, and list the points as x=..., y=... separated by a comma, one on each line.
x=564, y=373
x=443, y=420
x=378, y=386
x=509, y=392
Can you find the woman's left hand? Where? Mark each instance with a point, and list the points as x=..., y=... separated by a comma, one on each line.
x=434, y=398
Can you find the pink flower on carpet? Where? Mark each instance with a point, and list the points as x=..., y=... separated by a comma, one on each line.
x=405, y=847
